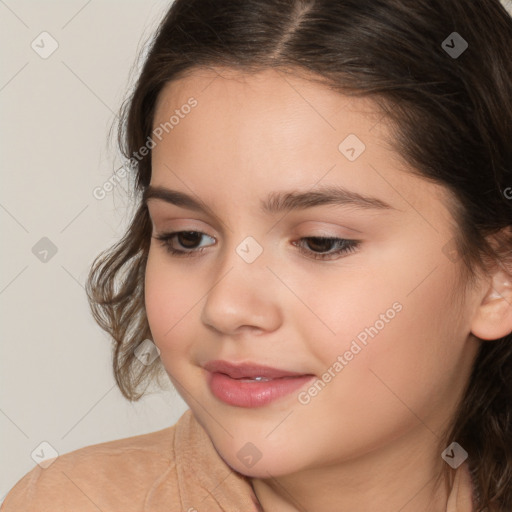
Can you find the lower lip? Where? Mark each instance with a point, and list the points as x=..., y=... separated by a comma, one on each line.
x=253, y=394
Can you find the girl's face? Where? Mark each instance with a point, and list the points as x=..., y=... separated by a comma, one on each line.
x=381, y=327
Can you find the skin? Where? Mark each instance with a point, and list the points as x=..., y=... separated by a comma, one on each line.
x=376, y=429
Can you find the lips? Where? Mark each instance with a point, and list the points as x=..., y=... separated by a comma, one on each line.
x=250, y=384
x=249, y=370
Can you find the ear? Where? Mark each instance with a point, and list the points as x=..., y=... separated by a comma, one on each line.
x=493, y=317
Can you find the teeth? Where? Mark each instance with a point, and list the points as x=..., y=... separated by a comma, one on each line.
x=258, y=379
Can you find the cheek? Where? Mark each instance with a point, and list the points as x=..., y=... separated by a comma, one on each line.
x=411, y=364
x=399, y=333
x=349, y=311
x=168, y=301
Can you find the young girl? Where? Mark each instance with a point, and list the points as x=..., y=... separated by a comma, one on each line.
x=322, y=260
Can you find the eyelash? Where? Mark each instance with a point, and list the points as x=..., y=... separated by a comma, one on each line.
x=347, y=246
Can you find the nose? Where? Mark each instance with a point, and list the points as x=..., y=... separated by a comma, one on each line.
x=243, y=296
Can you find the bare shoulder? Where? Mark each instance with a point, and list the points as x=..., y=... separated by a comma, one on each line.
x=113, y=475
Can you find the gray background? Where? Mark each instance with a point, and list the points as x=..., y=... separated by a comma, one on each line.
x=56, y=382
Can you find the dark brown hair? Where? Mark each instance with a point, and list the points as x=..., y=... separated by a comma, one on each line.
x=452, y=122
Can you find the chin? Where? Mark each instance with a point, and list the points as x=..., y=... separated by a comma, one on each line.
x=259, y=470
x=274, y=466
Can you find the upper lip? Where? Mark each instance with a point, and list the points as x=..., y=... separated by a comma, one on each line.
x=250, y=370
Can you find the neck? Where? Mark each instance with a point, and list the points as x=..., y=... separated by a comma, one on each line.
x=393, y=478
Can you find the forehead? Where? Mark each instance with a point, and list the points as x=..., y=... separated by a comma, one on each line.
x=272, y=129
x=270, y=117
x=266, y=91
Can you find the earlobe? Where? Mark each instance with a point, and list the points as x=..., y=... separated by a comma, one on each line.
x=493, y=318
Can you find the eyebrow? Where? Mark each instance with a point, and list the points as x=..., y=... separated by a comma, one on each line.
x=277, y=202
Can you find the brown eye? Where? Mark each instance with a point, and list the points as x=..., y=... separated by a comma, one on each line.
x=319, y=245
x=186, y=240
